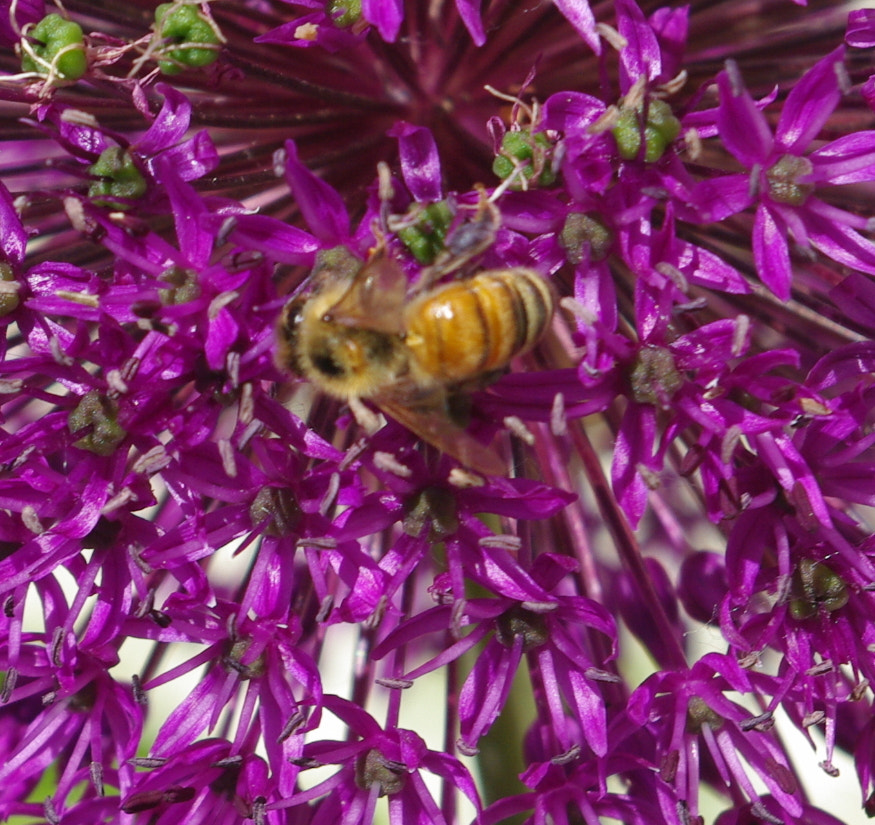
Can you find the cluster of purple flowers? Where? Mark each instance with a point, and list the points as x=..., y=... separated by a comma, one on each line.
x=696, y=183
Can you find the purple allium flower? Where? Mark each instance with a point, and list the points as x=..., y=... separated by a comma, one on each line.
x=684, y=716
x=229, y=597
x=526, y=619
x=786, y=176
x=376, y=763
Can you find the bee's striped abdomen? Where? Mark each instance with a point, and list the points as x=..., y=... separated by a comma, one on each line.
x=467, y=328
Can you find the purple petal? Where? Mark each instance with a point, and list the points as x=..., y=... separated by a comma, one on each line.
x=867, y=90
x=520, y=497
x=420, y=163
x=328, y=36
x=221, y=335
x=26, y=11
x=741, y=124
x=855, y=297
x=190, y=717
x=278, y=240
x=195, y=239
x=44, y=279
x=771, y=254
x=640, y=56
x=486, y=689
x=792, y=472
x=587, y=704
x=594, y=289
x=853, y=482
x=322, y=207
x=721, y=197
x=711, y=270
x=550, y=568
x=850, y=159
x=194, y=158
x=572, y=113
x=386, y=15
x=765, y=757
x=828, y=233
x=633, y=448
x=811, y=102
x=13, y=238
x=171, y=124
x=80, y=139
x=444, y=765
x=637, y=615
x=707, y=348
x=469, y=11
x=533, y=211
x=286, y=34
x=861, y=29
x=702, y=584
x=579, y=14
x=671, y=27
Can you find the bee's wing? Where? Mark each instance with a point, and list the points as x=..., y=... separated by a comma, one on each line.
x=431, y=422
x=375, y=297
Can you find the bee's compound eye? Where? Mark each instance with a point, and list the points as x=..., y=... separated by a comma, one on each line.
x=287, y=333
x=325, y=363
x=293, y=314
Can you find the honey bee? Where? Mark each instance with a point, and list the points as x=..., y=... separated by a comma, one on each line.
x=359, y=335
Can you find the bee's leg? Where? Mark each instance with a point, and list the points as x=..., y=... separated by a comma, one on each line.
x=458, y=397
x=458, y=406
x=467, y=240
x=479, y=382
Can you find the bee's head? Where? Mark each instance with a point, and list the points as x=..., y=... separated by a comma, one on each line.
x=338, y=359
x=349, y=361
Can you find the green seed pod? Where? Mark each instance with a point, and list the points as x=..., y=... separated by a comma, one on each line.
x=8, y=300
x=197, y=38
x=119, y=179
x=814, y=586
x=344, y=13
x=99, y=415
x=530, y=152
x=57, y=49
x=425, y=238
x=660, y=129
